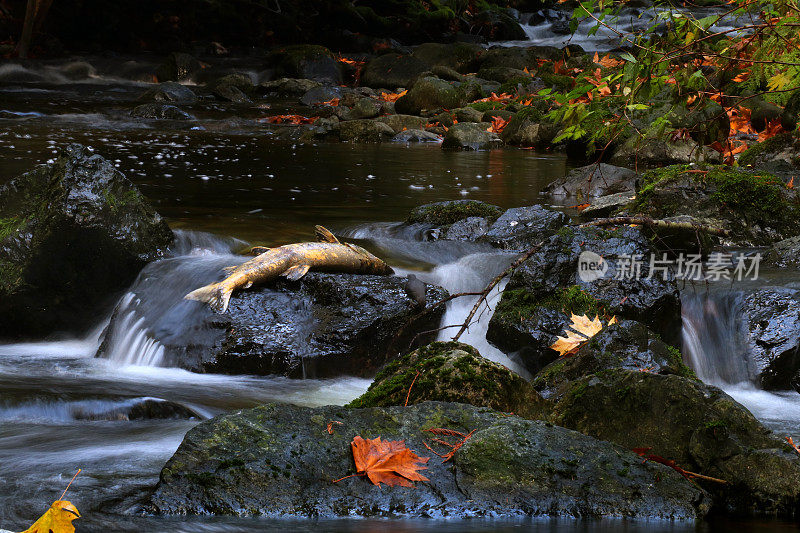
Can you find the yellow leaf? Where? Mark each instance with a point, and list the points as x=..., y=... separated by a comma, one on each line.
x=779, y=81
x=612, y=321
x=57, y=519
x=584, y=329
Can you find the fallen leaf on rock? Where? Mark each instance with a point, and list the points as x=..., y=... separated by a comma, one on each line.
x=584, y=329
x=392, y=97
x=289, y=119
x=388, y=461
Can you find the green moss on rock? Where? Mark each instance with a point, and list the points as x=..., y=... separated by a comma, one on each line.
x=453, y=372
x=444, y=213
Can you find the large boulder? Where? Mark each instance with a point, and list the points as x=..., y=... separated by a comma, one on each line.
x=280, y=460
x=628, y=344
x=451, y=372
x=306, y=61
x=771, y=321
x=461, y=57
x=639, y=152
x=449, y=212
x=288, y=86
x=364, y=131
x=519, y=228
x=593, y=181
x=233, y=88
x=390, y=71
x=400, y=123
x=542, y=293
x=430, y=93
x=698, y=426
x=784, y=254
x=322, y=325
x=791, y=112
x=72, y=234
x=757, y=209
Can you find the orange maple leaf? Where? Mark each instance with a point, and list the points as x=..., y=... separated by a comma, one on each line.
x=389, y=461
x=288, y=119
x=392, y=97
x=773, y=128
x=502, y=97
x=498, y=123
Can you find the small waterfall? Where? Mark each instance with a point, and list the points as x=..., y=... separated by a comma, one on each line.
x=153, y=313
x=713, y=338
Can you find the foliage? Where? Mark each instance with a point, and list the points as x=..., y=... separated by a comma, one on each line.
x=387, y=461
x=584, y=329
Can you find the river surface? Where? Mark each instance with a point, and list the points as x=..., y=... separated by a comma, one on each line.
x=226, y=180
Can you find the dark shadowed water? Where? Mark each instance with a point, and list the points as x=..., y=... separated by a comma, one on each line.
x=230, y=176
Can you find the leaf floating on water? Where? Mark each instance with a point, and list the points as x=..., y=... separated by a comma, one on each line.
x=584, y=329
x=389, y=462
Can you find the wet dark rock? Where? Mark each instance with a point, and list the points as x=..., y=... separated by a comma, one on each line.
x=178, y=67
x=363, y=108
x=446, y=73
x=306, y=61
x=72, y=234
x=416, y=136
x=320, y=94
x=500, y=24
x=432, y=93
x=390, y=71
x=530, y=127
x=503, y=74
x=543, y=292
x=771, y=319
x=779, y=155
x=519, y=58
x=696, y=425
x=449, y=212
x=461, y=57
x=520, y=228
x=757, y=209
x=784, y=254
x=628, y=345
x=364, y=131
x=470, y=136
x=592, y=181
x=647, y=153
x=604, y=206
x=142, y=409
x=451, y=372
x=279, y=460
x=160, y=111
x=169, y=92
x=762, y=113
x=468, y=114
x=323, y=325
x=233, y=88
x=288, y=86
x=791, y=112
x=467, y=229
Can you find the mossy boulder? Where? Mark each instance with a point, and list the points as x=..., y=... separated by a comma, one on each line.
x=779, y=155
x=364, y=131
x=449, y=212
x=390, y=71
x=451, y=372
x=431, y=93
x=233, y=87
x=306, y=61
x=530, y=126
x=543, y=292
x=73, y=233
x=757, y=209
x=791, y=112
x=627, y=344
x=696, y=425
x=278, y=460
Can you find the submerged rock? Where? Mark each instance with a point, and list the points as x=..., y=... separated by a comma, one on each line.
x=698, y=426
x=142, y=409
x=160, y=111
x=280, y=460
x=451, y=372
x=322, y=325
x=72, y=234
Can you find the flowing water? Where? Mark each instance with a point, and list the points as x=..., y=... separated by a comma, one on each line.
x=226, y=180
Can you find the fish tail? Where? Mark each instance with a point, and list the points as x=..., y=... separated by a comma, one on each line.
x=216, y=295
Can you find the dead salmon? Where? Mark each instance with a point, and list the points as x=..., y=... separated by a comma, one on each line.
x=291, y=261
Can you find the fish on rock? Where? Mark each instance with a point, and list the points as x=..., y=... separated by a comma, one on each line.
x=291, y=261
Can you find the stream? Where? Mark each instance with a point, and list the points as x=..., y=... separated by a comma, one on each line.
x=225, y=182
